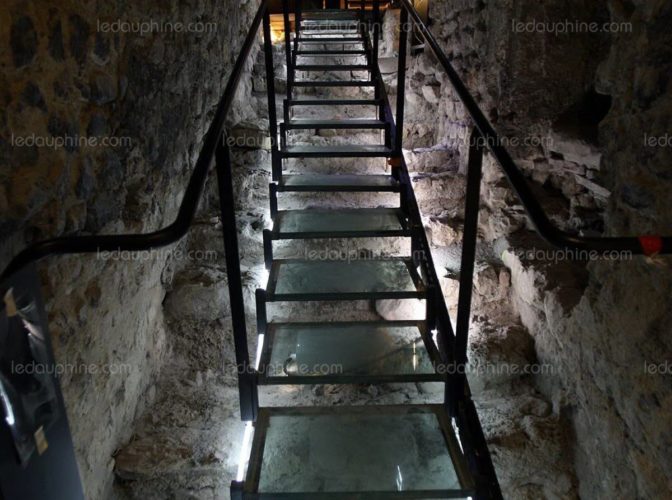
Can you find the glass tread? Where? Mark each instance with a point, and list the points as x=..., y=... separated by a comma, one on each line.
x=338, y=150
x=343, y=223
x=347, y=279
x=343, y=182
x=349, y=352
x=352, y=123
x=332, y=451
x=332, y=102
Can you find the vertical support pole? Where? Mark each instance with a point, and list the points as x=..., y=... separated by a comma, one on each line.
x=298, y=20
x=273, y=199
x=249, y=402
x=262, y=316
x=432, y=299
x=270, y=89
x=268, y=249
x=401, y=79
x=283, y=138
x=403, y=197
x=416, y=248
x=475, y=168
x=286, y=111
x=236, y=490
x=288, y=47
x=376, y=30
x=297, y=16
x=374, y=48
x=395, y=172
x=268, y=240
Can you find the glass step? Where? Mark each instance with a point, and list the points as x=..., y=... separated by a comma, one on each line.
x=329, y=14
x=332, y=102
x=353, y=352
x=315, y=20
x=336, y=27
x=309, y=53
x=340, y=223
x=316, y=31
x=364, y=452
x=329, y=22
x=345, y=151
x=332, y=67
x=331, y=40
x=321, y=28
x=305, y=280
x=352, y=123
x=349, y=183
x=334, y=83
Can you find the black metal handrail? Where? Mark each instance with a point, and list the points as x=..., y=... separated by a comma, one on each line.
x=180, y=226
x=551, y=233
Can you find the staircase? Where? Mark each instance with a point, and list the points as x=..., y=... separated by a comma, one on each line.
x=375, y=451
x=334, y=452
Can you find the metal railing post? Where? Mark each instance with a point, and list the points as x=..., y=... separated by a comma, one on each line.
x=297, y=17
x=298, y=20
x=288, y=47
x=472, y=203
x=376, y=30
x=276, y=166
x=401, y=80
x=249, y=403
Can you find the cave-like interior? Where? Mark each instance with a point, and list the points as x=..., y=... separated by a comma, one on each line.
x=335, y=249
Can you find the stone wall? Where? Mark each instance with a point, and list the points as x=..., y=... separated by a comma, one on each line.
x=587, y=115
x=101, y=120
x=610, y=344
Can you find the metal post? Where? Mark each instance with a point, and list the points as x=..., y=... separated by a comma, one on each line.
x=403, y=197
x=288, y=47
x=246, y=378
x=283, y=136
x=270, y=90
x=433, y=291
x=236, y=490
x=374, y=48
x=475, y=167
x=376, y=29
x=268, y=248
x=297, y=17
x=401, y=78
x=262, y=315
x=416, y=247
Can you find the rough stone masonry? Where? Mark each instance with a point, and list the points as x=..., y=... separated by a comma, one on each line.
x=102, y=109
x=586, y=114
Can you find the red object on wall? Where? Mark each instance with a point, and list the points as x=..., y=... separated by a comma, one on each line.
x=652, y=245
